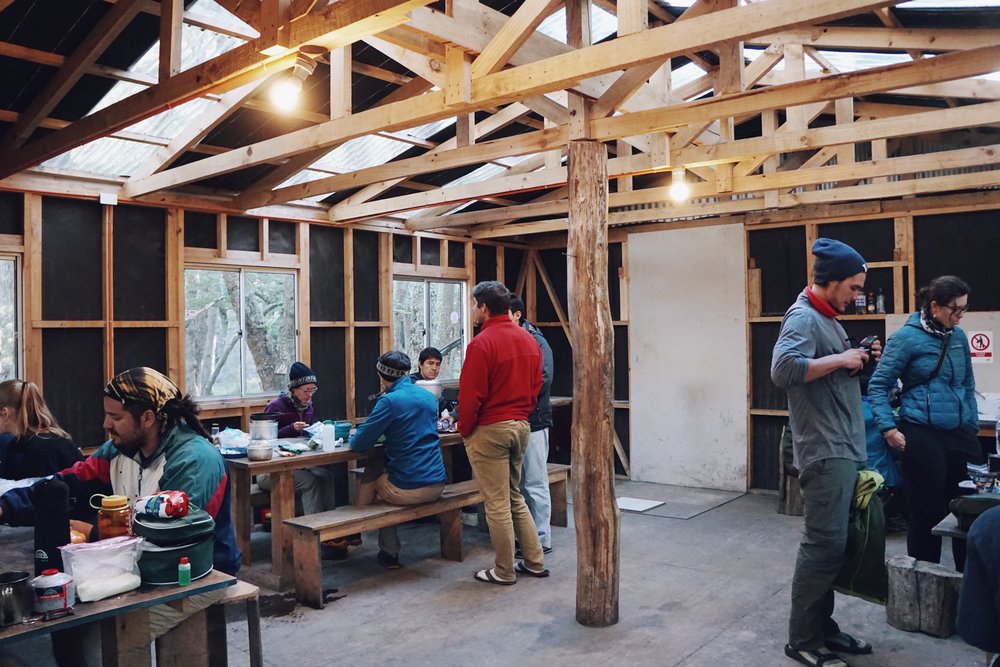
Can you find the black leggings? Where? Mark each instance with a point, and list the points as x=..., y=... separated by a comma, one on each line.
x=933, y=465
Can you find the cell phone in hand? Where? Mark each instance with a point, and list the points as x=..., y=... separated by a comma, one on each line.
x=868, y=342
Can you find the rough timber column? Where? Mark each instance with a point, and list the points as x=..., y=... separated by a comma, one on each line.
x=595, y=511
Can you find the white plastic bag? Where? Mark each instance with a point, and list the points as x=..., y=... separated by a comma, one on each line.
x=233, y=438
x=103, y=568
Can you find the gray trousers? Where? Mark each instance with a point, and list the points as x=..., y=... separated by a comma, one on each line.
x=827, y=489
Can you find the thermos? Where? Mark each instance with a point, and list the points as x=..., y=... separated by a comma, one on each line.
x=51, y=501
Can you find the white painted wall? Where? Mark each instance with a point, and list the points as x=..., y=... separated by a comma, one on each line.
x=688, y=356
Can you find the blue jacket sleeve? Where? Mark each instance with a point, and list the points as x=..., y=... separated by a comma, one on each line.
x=17, y=507
x=895, y=358
x=376, y=424
x=792, y=352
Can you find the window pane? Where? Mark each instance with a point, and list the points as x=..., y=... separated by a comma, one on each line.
x=212, y=332
x=408, y=318
x=8, y=319
x=446, y=326
x=270, y=330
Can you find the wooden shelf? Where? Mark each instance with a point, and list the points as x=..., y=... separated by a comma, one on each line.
x=764, y=412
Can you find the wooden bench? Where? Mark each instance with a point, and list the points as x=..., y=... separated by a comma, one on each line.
x=311, y=530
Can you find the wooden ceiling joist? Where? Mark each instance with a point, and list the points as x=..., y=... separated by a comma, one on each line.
x=342, y=23
x=72, y=69
x=555, y=73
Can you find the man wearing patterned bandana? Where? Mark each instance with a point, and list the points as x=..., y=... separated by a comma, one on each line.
x=156, y=443
x=814, y=362
x=408, y=470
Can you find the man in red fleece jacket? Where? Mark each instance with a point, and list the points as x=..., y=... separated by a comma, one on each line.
x=498, y=389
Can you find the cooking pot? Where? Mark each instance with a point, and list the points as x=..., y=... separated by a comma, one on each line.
x=264, y=426
x=16, y=597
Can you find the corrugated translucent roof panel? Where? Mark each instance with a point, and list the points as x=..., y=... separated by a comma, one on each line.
x=119, y=158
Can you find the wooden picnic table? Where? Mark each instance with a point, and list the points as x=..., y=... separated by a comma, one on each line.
x=242, y=471
x=124, y=620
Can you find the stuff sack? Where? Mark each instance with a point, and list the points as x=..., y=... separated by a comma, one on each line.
x=169, y=539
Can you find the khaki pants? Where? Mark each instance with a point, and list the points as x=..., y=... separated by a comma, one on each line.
x=496, y=453
x=376, y=484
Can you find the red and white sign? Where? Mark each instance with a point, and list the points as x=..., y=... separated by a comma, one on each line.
x=981, y=344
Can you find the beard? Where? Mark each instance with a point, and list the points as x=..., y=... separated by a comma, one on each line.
x=127, y=446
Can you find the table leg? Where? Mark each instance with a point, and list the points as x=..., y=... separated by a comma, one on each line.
x=125, y=640
x=187, y=644
x=282, y=507
x=241, y=510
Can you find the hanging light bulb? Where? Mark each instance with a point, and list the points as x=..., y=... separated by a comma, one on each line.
x=679, y=190
x=285, y=92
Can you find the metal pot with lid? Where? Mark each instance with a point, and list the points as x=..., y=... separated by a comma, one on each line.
x=264, y=425
x=16, y=597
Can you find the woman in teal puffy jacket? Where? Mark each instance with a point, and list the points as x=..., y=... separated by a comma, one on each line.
x=938, y=417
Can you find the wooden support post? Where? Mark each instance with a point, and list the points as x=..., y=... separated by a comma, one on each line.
x=595, y=511
x=125, y=639
x=451, y=534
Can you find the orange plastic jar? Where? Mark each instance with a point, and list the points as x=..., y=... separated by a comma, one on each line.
x=114, y=519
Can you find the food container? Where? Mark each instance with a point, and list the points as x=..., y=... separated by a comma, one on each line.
x=114, y=516
x=433, y=386
x=260, y=450
x=54, y=591
x=16, y=597
x=264, y=426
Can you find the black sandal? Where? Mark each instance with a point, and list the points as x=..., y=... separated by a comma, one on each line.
x=815, y=657
x=845, y=643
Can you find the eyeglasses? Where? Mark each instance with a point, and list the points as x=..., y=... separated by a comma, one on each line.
x=957, y=310
x=306, y=390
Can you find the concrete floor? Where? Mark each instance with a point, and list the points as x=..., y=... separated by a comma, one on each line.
x=704, y=581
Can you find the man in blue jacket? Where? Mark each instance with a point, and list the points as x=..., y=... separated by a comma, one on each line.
x=409, y=470
x=979, y=600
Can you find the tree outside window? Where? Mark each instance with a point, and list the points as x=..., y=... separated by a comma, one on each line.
x=430, y=313
x=239, y=327
x=9, y=319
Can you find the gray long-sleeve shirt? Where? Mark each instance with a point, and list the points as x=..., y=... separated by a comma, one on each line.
x=825, y=414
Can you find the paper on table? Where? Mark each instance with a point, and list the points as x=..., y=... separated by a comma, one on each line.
x=637, y=504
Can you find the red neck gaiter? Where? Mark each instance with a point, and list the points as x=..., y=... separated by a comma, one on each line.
x=820, y=304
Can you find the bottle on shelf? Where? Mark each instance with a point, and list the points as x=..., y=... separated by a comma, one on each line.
x=880, y=301
x=871, y=303
x=860, y=304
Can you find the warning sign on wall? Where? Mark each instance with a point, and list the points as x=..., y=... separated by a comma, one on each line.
x=981, y=344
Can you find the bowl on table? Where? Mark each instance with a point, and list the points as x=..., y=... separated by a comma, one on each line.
x=233, y=452
x=261, y=450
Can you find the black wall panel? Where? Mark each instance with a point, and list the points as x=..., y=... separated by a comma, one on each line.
x=430, y=252
x=402, y=249
x=615, y=259
x=781, y=256
x=513, y=260
x=328, y=354
x=620, y=375
x=140, y=263
x=140, y=347
x=200, y=230
x=766, y=433
x=366, y=269
x=11, y=213
x=281, y=237
x=964, y=245
x=367, y=349
x=456, y=254
x=74, y=381
x=554, y=261
x=242, y=233
x=486, y=262
x=326, y=274
x=71, y=260
x=874, y=239
x=562, y=355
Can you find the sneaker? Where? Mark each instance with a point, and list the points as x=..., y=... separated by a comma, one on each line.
x=388, y=561
x=519, y=555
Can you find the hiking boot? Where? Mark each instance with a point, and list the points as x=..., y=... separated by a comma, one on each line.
x=388, y=561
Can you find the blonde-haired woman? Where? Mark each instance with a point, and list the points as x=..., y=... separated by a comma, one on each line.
x=39, y=447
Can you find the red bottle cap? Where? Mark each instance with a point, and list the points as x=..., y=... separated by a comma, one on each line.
x=49, y=572
x=184, y=560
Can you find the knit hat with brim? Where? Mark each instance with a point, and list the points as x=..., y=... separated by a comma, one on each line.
x=299, y=375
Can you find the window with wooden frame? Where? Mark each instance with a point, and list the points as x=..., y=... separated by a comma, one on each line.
x=431, y=313
x=10, y=318
x=239, y=329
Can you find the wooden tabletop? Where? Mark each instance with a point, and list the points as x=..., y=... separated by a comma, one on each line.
x=89, y=612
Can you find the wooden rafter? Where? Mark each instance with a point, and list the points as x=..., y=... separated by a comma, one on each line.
x=342, y=23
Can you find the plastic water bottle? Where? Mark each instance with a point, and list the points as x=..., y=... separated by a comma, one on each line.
x=329, y=435
x=997, y=429
x=184, y=572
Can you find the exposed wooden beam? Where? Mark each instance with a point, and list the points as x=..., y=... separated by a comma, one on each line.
x=512, y=36
x=73, y=68
x=171, y=22
x=512, y=84
x=934, y=40
x=342, y=23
